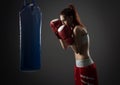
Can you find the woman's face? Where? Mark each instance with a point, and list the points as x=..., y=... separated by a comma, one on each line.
x=66, y=20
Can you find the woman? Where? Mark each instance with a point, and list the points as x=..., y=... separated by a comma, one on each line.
x=85, y=69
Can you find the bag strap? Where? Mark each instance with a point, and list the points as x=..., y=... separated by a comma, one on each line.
x=28, y=1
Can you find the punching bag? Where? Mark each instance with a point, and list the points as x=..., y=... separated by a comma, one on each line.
x=30, y=21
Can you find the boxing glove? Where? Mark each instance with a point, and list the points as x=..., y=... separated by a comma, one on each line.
x=55, y=24
x=66, y=34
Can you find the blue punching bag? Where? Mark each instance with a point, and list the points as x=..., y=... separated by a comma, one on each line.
x=30, y=21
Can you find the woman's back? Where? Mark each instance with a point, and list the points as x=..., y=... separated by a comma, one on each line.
x=81, y=41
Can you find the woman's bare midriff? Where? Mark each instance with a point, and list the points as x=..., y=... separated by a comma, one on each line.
x=79, y=56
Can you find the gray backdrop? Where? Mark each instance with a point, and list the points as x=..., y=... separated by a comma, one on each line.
x=102, y=21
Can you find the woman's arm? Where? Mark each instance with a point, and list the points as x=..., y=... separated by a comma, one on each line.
x=63, y=44
x=76, y=45
x=74, y=48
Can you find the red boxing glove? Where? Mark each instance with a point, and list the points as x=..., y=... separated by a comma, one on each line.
x=55, y=24
x=66, y=34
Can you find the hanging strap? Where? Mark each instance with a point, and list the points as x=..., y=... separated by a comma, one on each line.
x=28, y=1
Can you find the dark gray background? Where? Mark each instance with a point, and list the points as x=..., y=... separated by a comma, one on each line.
x=102, y=19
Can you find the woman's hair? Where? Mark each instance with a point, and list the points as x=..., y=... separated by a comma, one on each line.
x=71, y=11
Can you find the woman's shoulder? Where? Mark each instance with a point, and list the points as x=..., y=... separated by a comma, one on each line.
x=80, y=29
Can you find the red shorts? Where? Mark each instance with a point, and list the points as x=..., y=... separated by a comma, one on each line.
x=86, y=75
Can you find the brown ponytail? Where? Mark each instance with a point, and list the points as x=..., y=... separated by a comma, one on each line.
x=76, y=14
x=71, y=11
x=71, y=7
